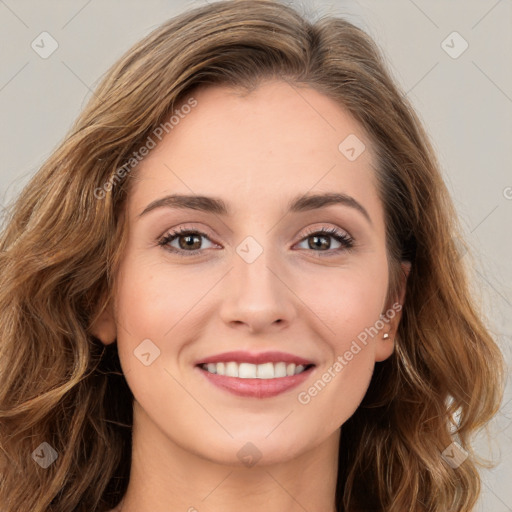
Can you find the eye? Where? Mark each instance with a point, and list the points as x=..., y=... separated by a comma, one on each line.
x=319, y=239
x=188, y=240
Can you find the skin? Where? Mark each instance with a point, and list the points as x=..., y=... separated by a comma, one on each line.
x=255, y=152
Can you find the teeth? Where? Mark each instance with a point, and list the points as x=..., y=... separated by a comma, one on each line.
x=247, y=371
x=299, y=369
x=279, y=369
x=231, y=370
x=265, y=371
x=254, y=371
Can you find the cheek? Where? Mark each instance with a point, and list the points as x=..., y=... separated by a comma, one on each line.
x=151, y=298
x=149, y=303
x=152, y=303
x=346, y=300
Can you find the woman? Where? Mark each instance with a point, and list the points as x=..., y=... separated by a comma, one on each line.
x=237, y=281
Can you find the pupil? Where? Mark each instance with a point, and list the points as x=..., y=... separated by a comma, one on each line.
x=189, y=240
x=317, y=238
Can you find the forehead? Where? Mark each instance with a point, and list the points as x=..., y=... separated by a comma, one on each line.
x=279, y=141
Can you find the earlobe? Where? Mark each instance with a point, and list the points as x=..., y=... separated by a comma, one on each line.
x=104, y=326
x=386, y=344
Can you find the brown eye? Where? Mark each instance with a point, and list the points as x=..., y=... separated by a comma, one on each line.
x=187, y=241
x=320, y=241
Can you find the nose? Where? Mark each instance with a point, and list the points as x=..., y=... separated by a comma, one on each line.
x=257, y=297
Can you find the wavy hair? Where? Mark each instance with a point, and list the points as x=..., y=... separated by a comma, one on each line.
x=61, y=246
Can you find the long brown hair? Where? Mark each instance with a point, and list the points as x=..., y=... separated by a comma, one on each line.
x=63, y=238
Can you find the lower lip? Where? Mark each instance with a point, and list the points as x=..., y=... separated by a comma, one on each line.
x=257, y=388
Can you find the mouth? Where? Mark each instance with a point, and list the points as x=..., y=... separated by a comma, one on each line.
x=256, y=375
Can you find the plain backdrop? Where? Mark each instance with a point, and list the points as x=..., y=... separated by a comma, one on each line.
x=464, y=99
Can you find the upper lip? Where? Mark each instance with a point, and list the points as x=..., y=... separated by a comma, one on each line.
x=240, y=356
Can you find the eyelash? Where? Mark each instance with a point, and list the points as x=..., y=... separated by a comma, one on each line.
x=346, y=240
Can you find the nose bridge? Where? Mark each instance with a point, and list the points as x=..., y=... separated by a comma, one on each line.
x=256, y=294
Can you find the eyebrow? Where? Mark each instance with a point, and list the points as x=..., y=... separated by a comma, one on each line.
x=301, y=203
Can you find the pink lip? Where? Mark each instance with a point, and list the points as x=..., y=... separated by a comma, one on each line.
x=241, y=356
x=256, y=388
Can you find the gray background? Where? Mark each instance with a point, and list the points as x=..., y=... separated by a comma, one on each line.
x=465, y=103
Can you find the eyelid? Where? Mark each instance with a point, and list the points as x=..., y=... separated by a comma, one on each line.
x=312, y=230
x=186, y=227
x=320, y=226
x=181, y=230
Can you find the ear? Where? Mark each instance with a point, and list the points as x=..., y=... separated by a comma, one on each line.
x=386, y=344
x=104, y=326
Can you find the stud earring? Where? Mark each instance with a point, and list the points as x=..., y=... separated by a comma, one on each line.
x=386, y=336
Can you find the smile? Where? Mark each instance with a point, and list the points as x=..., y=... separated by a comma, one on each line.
x=254, y=371
x=255, y=375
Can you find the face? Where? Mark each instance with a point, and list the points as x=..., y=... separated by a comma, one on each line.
x=277, y=285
